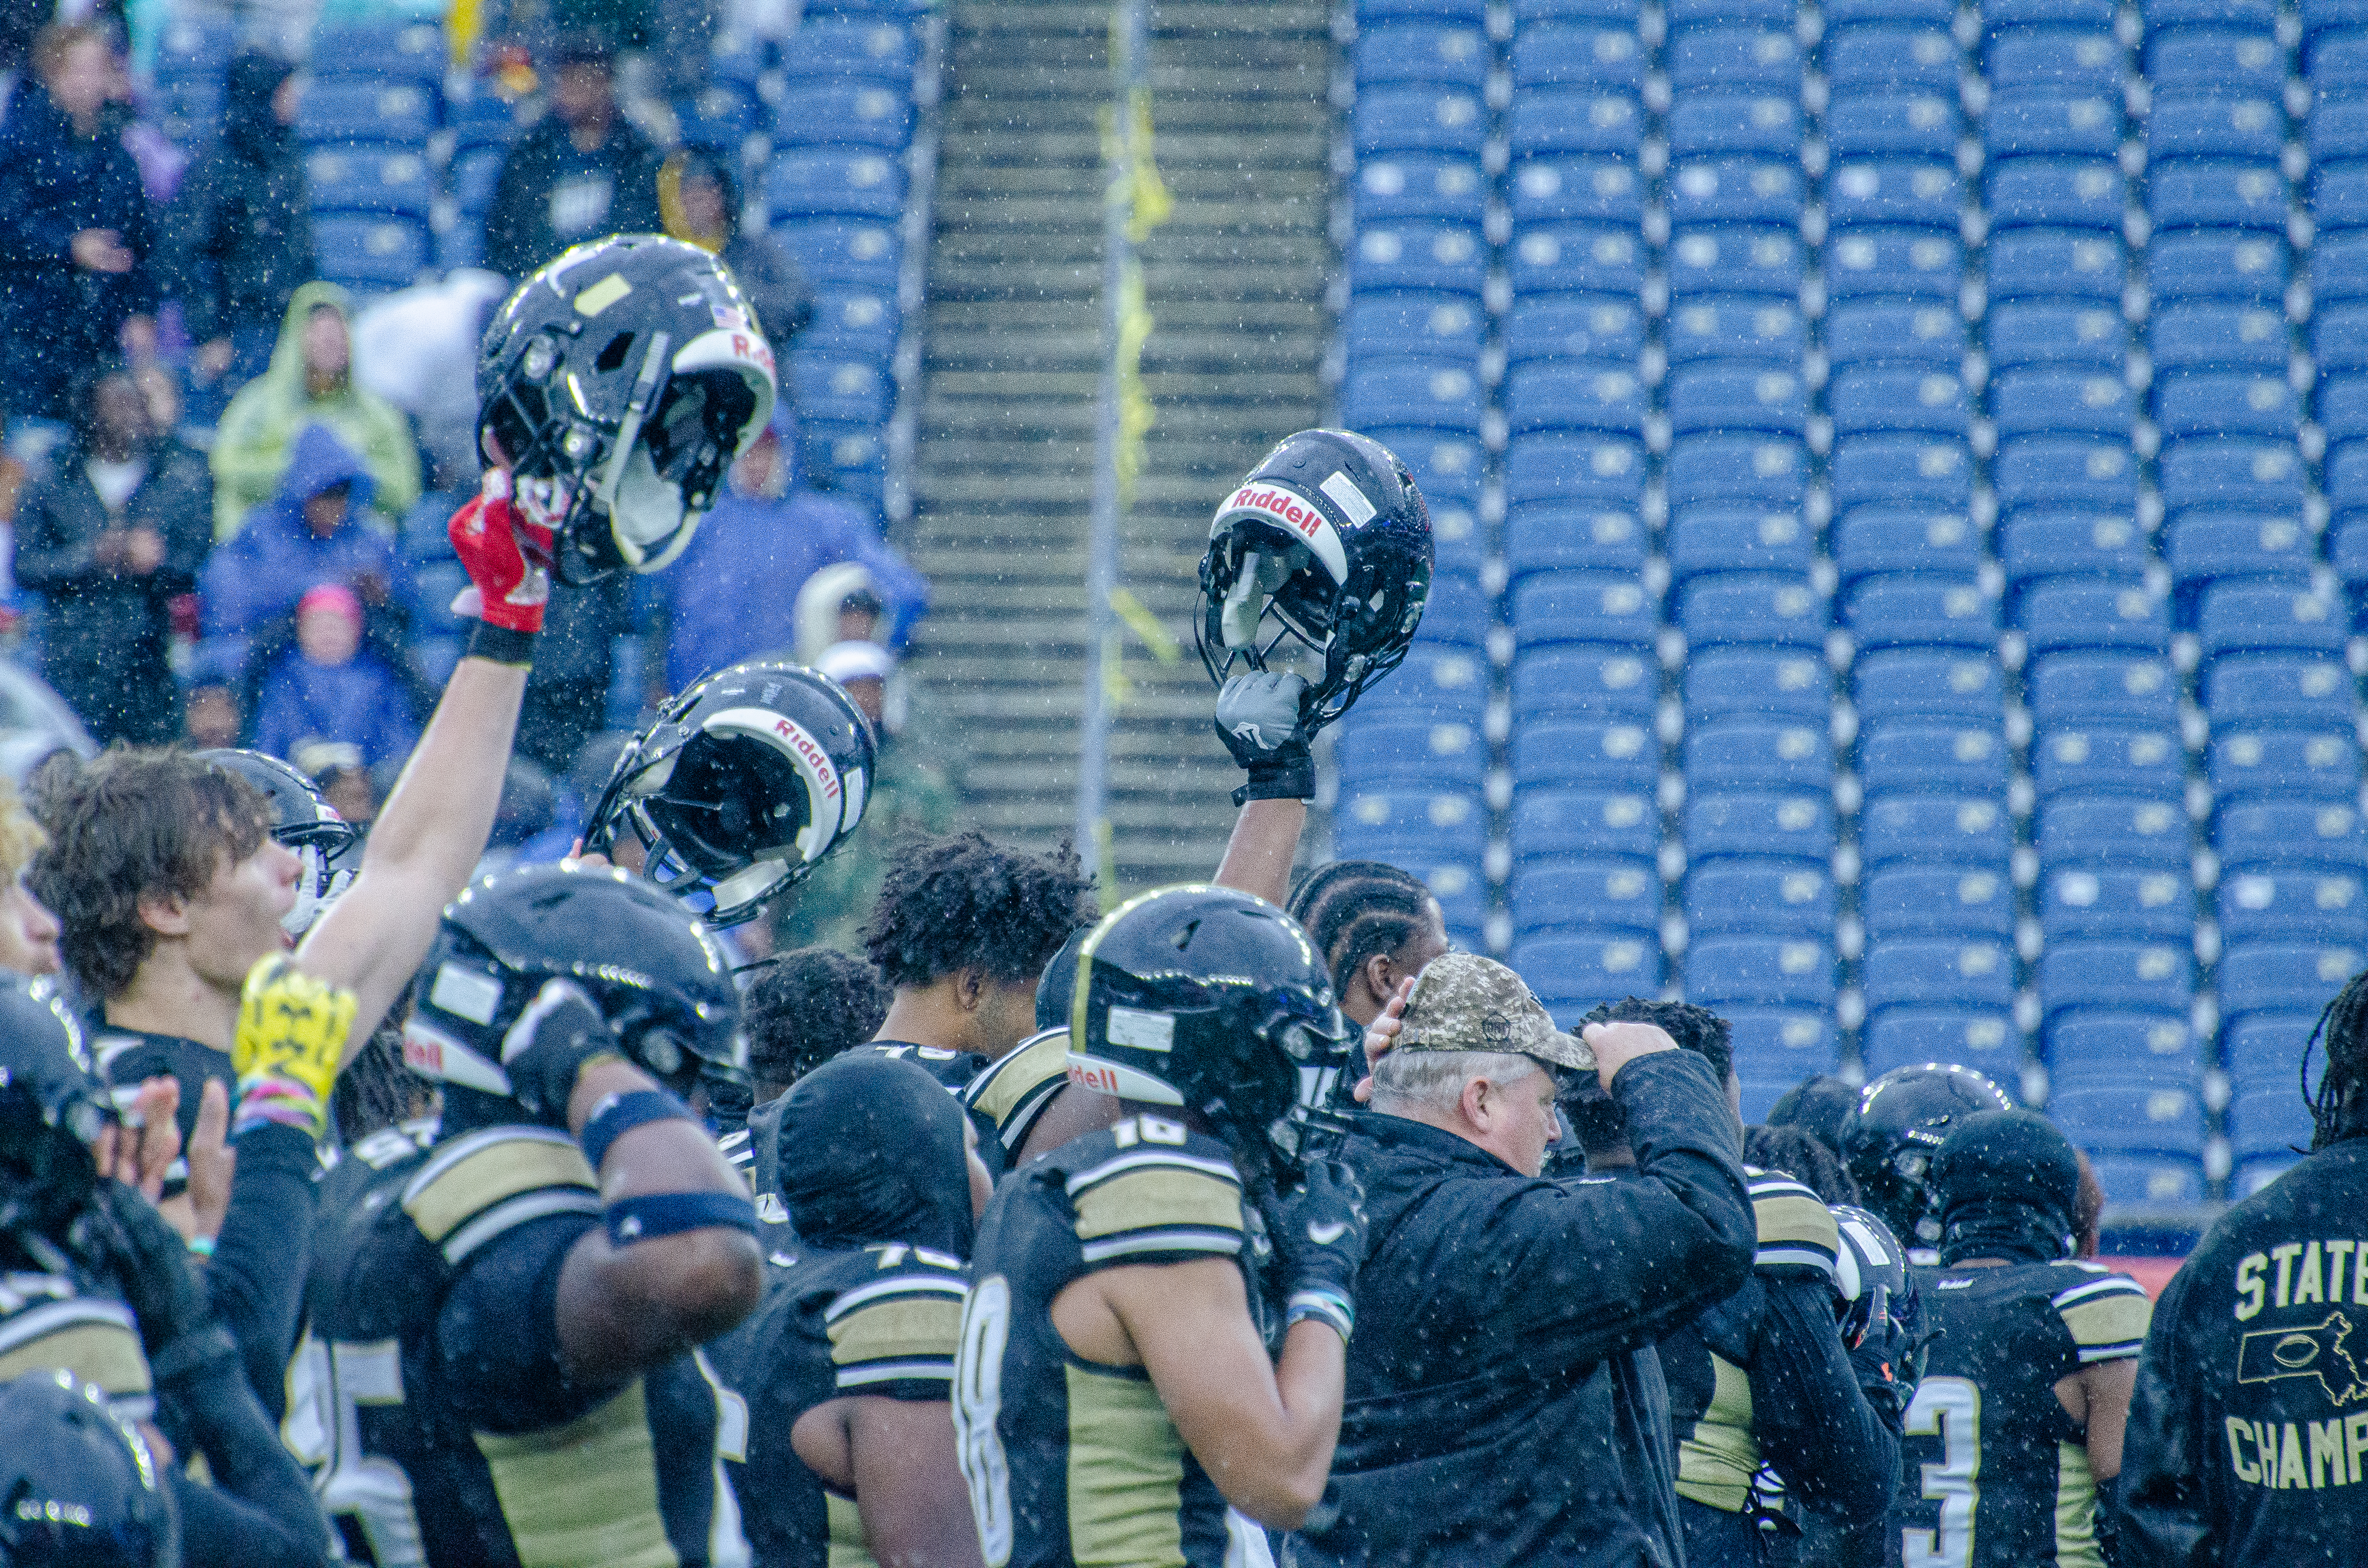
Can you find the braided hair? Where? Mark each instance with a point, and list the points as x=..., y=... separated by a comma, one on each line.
x=2343, y=1029
x=1358, y=910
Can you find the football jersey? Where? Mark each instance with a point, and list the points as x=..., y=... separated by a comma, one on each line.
x=1011, y=1092
x=426, y=1393
x=46, y=1322
x=1070, y=1461
x=1994, y=1471
x=879, y=1321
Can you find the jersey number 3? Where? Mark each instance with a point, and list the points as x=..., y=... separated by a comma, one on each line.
x=1950, y=1409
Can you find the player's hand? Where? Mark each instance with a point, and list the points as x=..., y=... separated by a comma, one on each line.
x=494, y=539
x=213, y=1163
x=292, y=1031
x=1259, y=718
x=143, y=1143
x=559, y=1035
x=1617, y=1044
x=1318, y=1228
x=1380, y=1035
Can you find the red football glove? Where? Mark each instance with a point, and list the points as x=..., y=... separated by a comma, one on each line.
x=495, y=542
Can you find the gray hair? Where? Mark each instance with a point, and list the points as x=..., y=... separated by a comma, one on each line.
x=1435, y=1079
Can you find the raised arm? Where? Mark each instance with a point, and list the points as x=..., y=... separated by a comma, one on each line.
x=1258, y=718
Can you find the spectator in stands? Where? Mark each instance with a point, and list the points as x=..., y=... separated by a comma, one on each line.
x=110, y=535
x=330, y=690
x=418, y=350
x=581, y=173
x=310, y=383
x=75, y=270
x=310, y=532
x=701, y=204
x=241, y=230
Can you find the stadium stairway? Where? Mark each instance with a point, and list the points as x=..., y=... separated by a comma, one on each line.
x=1004, y=459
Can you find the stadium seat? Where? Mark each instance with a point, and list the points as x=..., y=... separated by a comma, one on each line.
x=1457, y=610
x=1733, y=261
x=2291, y=832
x=1905, y=758
x=837, y=252
x=1919, y=611
x=1756, y=683
x=367, y=110
x=1473, y=13
x=1715, y=124
x=1735, y=190
x=1411, y=51
x=2267, y=1128
x=2204, y=547
x=1874, y=57
x=1572, y=971
x=2107, y=762
x=1873, y=541
x=2231, y=196
x=836, y=387
x=850, y=46
x=2206, y=264
x=2056, y=193
x=2036, y=402
x=1684, y=13
x=2067, y=690
x=1915, y=263
x=371, y=253
x=2113, y=831
x=1918, y=682
x=1442, y=684
x=2285, y=763
x=1934, y=830
x=1775, y=1048
x=2075, y=614
x=2234, y=404
x=2116, y=976
x=2292, y=907
x=1910, y=192
x=1609, y=753
x=2206, y=125
x=2049, y=13
x=1574, y=467
x=1577, y=326
x=1723, y=971
x=2342, y=400
x=1411, y=391
x=1737, y=538
x=1601, y=682
x=1570, y=189
x=1421, y=117
x=1444, y=463
x=1729, y=57
x=2133, y=1118
x=1762, y=331
x=2047, y=332
x=1571, y=53
x=1764, y=896
x=2053, y=61
x=2115, y=1048
x=2215, y=60
x=2077, y=901
x=1616, y=894
x=1544, y=539
x=1984, y=1039
x=1420, y=184
x=2053, y=264
x=2283, y=977
x=1939, y=972
x=1554, y=394
x=1867, y=331
x=1937, y=901
x=1421, y=325
x=1881, y=398
x=2059, y=472
x=1757, y=756
x=366, y=177
x=1901, y=471
x=2209, y=335
x=2244, y=617
x=2134, y=1181
x=2264, y=1050
x=1391, y=748
x=1452, y=822
x=1544, y=121
x=2035, y=546
x=1580, y=607
x=1759, y=825
x=2263, y=690
x=1762, y=470
x=1751, y=607
x=2338, y=265
x=1443, y=257
x=1592, y=258
x=2067, y=127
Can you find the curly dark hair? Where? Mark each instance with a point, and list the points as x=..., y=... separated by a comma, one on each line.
x=1694, y=1028
x=1788, y=1150
x=136, y=823
x=2337, y=1104
x=960, y=902
x=804, y=1007
x=1358, y=910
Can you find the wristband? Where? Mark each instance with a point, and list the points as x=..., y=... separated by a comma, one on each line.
x=1328, y=1306
x=631, y=1220
x=275, y=1101
x=619, y=1114
x=201, y=1246
x=1293, y=780
x=501, y=644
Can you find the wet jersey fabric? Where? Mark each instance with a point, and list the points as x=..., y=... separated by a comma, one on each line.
x=2249, y=1428
x=47, y=1322
x=1011, y=1092
x=428, y=1392
x=881, y=1321
x=1505, y=1404
x=1993, y=1469
x=957, y=1070
x=126, y=1058
x=1762, y=1378
x=1070, y=1461
x=752, y=1151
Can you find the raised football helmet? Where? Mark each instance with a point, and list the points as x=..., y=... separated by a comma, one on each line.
x=741, y=786
x=302, y=820
x=617, y=384
x=1889, y=1137
x=1212, y=1000
x=81, y=1489
x=1327, y=543
x=656, y=975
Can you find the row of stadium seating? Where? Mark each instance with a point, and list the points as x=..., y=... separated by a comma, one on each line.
x=1896, y=473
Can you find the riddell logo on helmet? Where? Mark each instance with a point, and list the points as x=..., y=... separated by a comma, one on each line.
x=816, y=758
x=1093, y=1076
x=1280, y=505
x=426, y=1055
x=752, y=348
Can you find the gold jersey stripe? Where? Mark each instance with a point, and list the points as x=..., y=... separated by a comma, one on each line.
x=107, y=1354
x=1717, y=1460
x=1126, y=1474
x=1796, y=1220
x=497, y=1172
x=848, y=1546
x=897, y=1329
x=584, y=1492
x=1001, y=1089
x=2117, y=1318
x=1158, y=1197
x=2075, y=1509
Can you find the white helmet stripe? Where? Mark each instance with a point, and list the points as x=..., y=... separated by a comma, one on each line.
x=824, y=791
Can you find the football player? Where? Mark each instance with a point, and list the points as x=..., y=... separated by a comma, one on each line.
x=83, y=1487
x=1115, y=1389
x=1888, y=1138
x=2014, y=1437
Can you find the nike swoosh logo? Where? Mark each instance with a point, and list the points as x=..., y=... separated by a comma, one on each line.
x=1324, y=1235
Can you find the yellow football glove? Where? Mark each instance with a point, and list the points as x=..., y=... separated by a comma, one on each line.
x=292, y=1031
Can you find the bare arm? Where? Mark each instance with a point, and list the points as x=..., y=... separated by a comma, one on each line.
x=423, y=846
x=1259, y=855
x=2100, y=1394
x=1072, y=1112
x=897, y=1458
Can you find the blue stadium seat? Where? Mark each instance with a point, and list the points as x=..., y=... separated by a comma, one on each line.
x=1739, y=328
x=1764, y=896
x=1865, y=331
x=2056, y=193
x=371, y=253
x=1763, y=470
x=1892, y=125
x=1418, y=119
x=837, y=387
x=876, y=49
x=2292, y=907
x=1473, y=13
x=1444, y=463
x=1447, y=257
x=2244, y=617
x=2108, y=1048
x=1756, y=683
x=1915, y=263
x=2028, y=62
x=362, y=177
x=1389, y=746
x=2291, y=832
x=1564, y=55
x=1455, y=538
x=2107, y=761
x=2190, y=125
x=855, y=183
x=1755, y=755
x=2038, y=545
x=1986, y=1040
x=1759, y=826
x=2338, y=61
x=2234, y=404
x=1920, y=611
x=1728, y=397
x=2342, y=400
x=194, y=45
x=1904, y=191
x=2266, y=690
x=1456, y=611
x=1610, y=754
x=1420, y=184
x=1565, y=121
x=1869, y=57
x=1574, y=972
x=1735, y=261
x=2060, y=472
x=1544, y=539
x=2078, y=614
x=1581, y=607
x=1735, y=190
x=2283, y=977
x=2205, y=547
x=2053, y=264
x=2199, y=337
x=1937, y=901
x=2116, y=976
x=1900, y=758
x=1901, y=471
x=1425, y=325
x=2346, y=477
x=2081, y=900
x=366, y=110
x=1447, y=823
x=1617, y=894
x=1728, y=58
x=2285, y=765
x=2049, y=13
x=821, y=111
x=1685, y=14
x=1925, y=684
x=1589, y=258
x=1411, y=391
x=1935, y=830
x=2339, y=130
x=722, y=119
x=2265, y=1050
x=2038, y=332
x=471, y=177
x=2129, y=1180
x=1585, y=822
x=1877, y=398
x=2113, y=831
x=1411, y=51
x=1938, y=13
x=1443, y=685
x=2101, y=688
x=2063, y=127
x=1775, y=1048
x=1599, y=682
x=1575, y=189
x=2269, y=1130
x=2131, y=1119
x=1939, y=972
x=2031, y=402
x=1577, y=326
x=389, y=51
x=1737, y=538
x=1722, y=971
x=1554, y=394
x=838, y=252
x=2211, y=264
x=2215, y=60
x=2348, y=549
x=1876, y=540
x=1710, y=124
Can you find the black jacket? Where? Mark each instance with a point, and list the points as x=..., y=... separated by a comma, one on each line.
x=1505, y=1404
x=2248, y=1438
x=519, y=234
x=240, y=233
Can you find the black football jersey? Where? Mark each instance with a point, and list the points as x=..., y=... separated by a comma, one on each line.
x=879, y=1321
x=1011, y=1092
x=1994, y=1471
x=426, y=1393
x=46, y=1322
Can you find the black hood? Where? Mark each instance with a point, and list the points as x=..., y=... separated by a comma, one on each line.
x=871, y=1151
x=248, y=126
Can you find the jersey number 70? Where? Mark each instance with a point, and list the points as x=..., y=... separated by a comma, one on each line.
x=1950, y=1409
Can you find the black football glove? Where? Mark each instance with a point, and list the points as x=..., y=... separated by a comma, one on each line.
x=559, y=1035
x=1318, y=1230
x=1259, y=718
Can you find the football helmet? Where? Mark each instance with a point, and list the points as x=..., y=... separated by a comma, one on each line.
x=1871, y=1285
x=1889, y=1137
x=741, y=786
x=617, y=384
x=656, y=975
x=1211, y=1001
x=1327, y=543
x=81, y=1489
x=302, y=820
x=51, y=1108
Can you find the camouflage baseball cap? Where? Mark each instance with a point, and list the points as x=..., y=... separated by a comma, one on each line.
x=1463, y=1002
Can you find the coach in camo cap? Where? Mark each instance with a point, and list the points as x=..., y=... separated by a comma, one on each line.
x=1465, y=1002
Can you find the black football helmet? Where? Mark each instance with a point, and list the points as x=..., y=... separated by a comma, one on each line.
x=1889, y=1136
x=1329, y=540
x=1211, y=1001
x=78, y=1488
x=51, y=1107
x=1057, y=990
x=1871, y=1280
x=741, y=786
x=302, y=819
x=618, y=384
x=654, y=971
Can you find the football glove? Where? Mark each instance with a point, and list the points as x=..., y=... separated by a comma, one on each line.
x=506, y=557
x=1259, y=718
x=559, y=1035
x=1318, y=1230
x=292, y=1031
